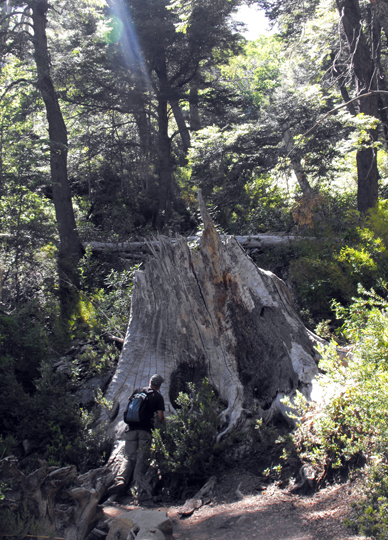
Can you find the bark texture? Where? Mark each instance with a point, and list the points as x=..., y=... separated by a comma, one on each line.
x=365, y=63
x=70, y=245
x=181, y=123
x=210, y=312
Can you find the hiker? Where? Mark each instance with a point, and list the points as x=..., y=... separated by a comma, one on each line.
x=137, y=438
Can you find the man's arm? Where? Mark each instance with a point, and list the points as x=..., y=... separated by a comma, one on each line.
x=160, y=416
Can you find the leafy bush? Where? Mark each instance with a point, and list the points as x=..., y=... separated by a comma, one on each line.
x=105, y=296
x=38, y=404
x=26, y=245
x=185, y=449
x=331, y=267
x=64, y=431
x=353, y=426
x=370, y=512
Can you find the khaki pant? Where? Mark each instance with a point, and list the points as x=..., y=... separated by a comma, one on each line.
x=136, y=442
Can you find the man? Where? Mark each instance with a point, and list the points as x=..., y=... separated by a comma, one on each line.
x=137, y=438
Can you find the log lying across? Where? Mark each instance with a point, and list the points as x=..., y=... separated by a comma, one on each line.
x=209, y=311
x=247, y=242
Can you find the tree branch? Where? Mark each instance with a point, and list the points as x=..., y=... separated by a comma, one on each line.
x=373, y=93
x=14, y=83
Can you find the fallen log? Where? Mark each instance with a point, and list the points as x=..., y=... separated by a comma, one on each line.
x=131, y=249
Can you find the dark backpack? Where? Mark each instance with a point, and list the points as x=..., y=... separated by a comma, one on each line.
x=136, y=409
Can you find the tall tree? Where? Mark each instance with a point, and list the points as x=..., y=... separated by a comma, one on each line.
x=27, y=26
x=365, y=62
x=175, y=40
x=356, y=73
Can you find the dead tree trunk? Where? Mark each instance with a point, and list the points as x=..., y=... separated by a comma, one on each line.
x=210, y=312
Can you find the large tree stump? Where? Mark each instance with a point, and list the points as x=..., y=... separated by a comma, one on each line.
x=211, y=312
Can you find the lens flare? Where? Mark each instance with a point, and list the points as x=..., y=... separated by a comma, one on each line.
x=116, y=32
x=124, y=32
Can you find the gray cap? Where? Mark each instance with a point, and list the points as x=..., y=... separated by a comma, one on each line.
x=156, y=380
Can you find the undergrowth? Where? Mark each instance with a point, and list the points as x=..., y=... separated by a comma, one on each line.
x=351, y=430
x=185, y=449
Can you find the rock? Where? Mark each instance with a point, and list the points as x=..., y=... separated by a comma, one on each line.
x=189, y=507
x=203, y=496
x=120, y=528
x=29, y=446
x=87, y=393
x=142, y=525
x=153, y=534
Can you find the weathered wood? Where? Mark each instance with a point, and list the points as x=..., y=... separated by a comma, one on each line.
x=247, y=242
x=208, y=311
x=46, y=496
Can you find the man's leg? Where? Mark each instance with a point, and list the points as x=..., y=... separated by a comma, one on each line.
x=141, y=465
x=128, y=463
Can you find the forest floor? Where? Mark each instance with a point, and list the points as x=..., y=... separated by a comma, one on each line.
x=263, y=512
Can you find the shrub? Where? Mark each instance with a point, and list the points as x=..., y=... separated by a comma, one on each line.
x=105, y=296
x=370, y=516
x=185, y=448
x=64, y=431
x=353, y=427
x=332, y=267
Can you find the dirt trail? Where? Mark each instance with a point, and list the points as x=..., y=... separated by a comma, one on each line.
x=264, y=514
x=272, y=515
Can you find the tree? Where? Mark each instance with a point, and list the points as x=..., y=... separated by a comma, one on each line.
x=279, y=101
x=70, y=249
x=356, y=73
x=29, y=17
x=365, y=63
x=176, y=42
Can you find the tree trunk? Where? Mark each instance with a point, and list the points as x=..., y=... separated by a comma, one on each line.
x=295, y=162
x=210, y=312
x=70, y=250
x=165, y=168
x=365, y=67
x=381, y=9
x=180, y=121
x=195, y=120
x=248, y=243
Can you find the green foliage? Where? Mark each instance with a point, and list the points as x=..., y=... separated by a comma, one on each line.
x=22, y=344
x=255, y=74
x=106, y=295
x=185, y=448
x=66, y=432
x=229, y=166
x=7, y=445
x=370, y=512
x=36, y=403
x=26, y=253
x=332, y=266
x=353, y=425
